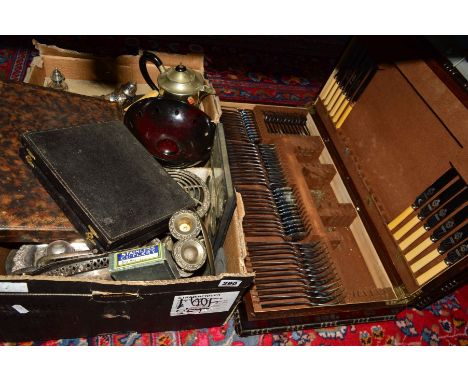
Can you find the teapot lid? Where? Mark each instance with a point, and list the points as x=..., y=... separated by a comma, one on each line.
x=181, y=80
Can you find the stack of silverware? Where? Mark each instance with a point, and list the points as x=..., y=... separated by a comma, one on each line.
x=292, y=270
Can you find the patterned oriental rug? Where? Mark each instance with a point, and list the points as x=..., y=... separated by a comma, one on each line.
x=275, y=70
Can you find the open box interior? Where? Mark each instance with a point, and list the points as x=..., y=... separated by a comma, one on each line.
x=90, y=306
x=233, y=260
x=97, y=76
x=93, y=76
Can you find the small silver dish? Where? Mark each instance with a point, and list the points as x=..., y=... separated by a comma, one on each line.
x=189, y=255
x=184, y=224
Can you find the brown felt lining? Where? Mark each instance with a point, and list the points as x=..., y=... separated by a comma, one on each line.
x=400, y=145
x=343, y=249
x=401, y=136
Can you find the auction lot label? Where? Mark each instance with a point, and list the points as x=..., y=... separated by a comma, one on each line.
x=203, y=303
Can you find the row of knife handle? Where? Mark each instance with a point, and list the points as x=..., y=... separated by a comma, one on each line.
x=347, y=82
x=431, y=233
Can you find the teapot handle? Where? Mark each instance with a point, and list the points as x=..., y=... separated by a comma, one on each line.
x=148, y=56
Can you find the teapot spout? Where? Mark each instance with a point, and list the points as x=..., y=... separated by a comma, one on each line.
x=206, y=90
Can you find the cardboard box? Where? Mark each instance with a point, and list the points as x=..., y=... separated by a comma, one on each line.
x=41, y=308
x=96, y=76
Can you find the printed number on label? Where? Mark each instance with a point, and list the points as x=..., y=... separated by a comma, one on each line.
x=230, y=283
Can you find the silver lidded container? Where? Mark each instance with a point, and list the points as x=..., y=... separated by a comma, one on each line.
x=57, y=81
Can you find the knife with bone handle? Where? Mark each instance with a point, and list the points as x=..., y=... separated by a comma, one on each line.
x=349, y=50
x=452, y=257
x=348, y=60
x=353, y=91
x=427, y=194
x=435, y=218
x=348, y=105
x=350, y=88
x=441, y=231
x=347, y=76
x=447, y=244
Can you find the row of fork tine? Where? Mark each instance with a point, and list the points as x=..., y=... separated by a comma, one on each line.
x=272, y=165
x=258, y=165
x=250, y=125
x=291, y=215
x=240, y=125
x=268, y=212
x=288, y=207
x=285, y=123
x=246, y=164
x=261, y=215
x=288, y=274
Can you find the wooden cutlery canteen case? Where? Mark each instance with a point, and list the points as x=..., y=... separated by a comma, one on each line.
x=356, y=207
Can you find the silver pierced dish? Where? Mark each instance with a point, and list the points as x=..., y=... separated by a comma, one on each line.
x=79, y=267
x=195, y=187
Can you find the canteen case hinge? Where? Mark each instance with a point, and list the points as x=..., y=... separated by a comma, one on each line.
x=30, y=158
x=91, y=234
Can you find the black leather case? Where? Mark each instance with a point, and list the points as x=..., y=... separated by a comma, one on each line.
x=108, y=185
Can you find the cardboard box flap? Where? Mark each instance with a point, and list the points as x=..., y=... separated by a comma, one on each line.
x=192, y=60
x=53, y=50
x=97, y=76
x=80, y=286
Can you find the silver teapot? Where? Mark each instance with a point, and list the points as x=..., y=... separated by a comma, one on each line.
x=180, y=83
